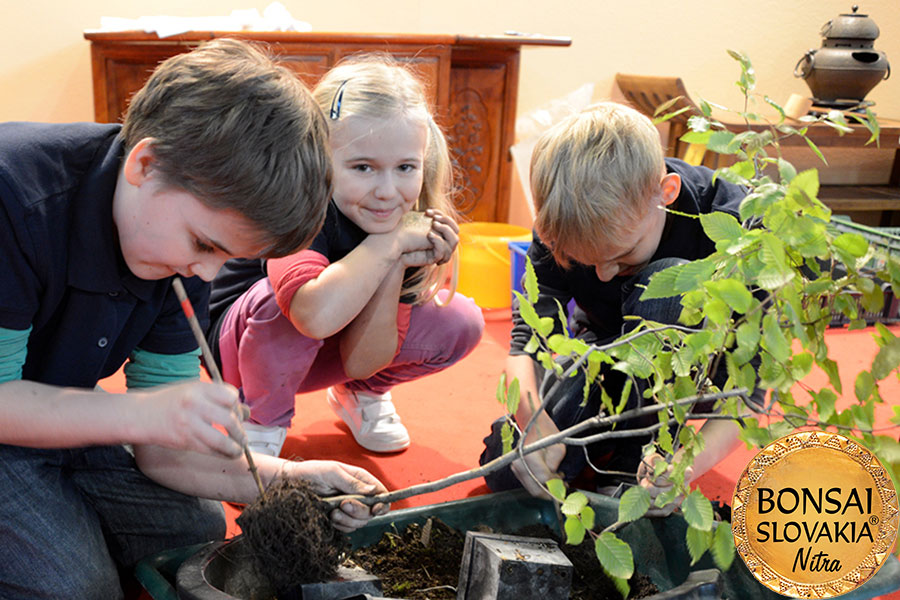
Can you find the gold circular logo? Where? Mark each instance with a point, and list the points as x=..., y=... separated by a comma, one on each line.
x=814, y=515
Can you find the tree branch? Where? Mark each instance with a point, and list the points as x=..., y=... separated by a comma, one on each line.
x=501, y=461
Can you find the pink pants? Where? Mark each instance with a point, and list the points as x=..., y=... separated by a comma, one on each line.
x=265, y=357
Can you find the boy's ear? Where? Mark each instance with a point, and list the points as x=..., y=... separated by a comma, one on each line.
x=139, y=162
x=670, y=187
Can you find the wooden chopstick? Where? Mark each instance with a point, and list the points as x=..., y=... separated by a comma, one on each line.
x=212, y=368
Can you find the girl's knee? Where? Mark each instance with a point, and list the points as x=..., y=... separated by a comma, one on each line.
x=465, y=320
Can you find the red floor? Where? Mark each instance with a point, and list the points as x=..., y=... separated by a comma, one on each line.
x=449, y=413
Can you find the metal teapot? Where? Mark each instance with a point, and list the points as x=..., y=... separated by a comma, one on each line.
x=846, y=67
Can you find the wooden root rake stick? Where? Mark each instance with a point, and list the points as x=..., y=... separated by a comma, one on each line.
x=212, y=368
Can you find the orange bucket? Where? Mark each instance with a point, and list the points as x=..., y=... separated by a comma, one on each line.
x=484, y=261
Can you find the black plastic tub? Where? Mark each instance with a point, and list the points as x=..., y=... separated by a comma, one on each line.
x=657, y=544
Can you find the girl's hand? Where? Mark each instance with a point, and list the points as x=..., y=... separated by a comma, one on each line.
x=444, y=236
x=413, y=233
x=184, y=417
x=329, y=478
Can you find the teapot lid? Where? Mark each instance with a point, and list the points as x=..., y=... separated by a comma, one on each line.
x=851, y=25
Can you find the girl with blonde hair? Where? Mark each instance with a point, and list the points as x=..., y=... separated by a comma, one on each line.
x=362, y=308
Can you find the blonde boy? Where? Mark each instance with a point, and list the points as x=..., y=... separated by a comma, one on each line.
x=601, y=187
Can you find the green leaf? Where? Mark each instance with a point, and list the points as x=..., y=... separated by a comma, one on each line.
x=696, y=137
x=834, y=377
x=815, y=149
x=633, y=504
x=621, y=585
x=772, y=250
x=531, y=283
x=720, y=141
x=732, y=292
x=717, y=311
x=614, y=555
x=865, y=385
x=773, y=278
x=806, y=183
x=776, y=106
x=574, y=503
x=720, y=226
x=722, y=548
x=744, y=170
x=801, y=365
x=698, y=511
x=527, y=312
x=588, y=517
x=887, y=359
x=557, y=489
x=691, y=275
x=501, y=389
x=825, y=400
x=513, y=397
x=574, y=531
x=774, y=340
x=698, y=542
x=887, y=449
x=507, y=436
x=852, y=243
x=544, y=326
x=786, y=171
x=662, y=284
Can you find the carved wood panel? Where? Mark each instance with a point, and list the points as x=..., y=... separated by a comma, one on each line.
x=476, y=114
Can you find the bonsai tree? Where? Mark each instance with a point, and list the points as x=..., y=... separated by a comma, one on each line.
x=778, y=277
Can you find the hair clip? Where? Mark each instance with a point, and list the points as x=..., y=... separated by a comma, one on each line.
x=335, y=113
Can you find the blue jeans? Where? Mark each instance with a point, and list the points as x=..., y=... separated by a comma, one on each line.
x=565, y=408
x=71, y=519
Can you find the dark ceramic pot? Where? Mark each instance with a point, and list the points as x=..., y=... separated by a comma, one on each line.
x=847, y=66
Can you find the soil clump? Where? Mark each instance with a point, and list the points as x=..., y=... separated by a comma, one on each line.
x=423, y=563
x=289, y=538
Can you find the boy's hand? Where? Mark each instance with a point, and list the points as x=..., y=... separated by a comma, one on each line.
x=184, y=417
x=329, y=478
x=660, y=484
x=544, y=463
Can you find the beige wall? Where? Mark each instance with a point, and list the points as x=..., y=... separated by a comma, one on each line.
x=45, y=62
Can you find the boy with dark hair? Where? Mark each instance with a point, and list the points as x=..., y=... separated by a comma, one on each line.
x=222, y=154
x=601, y=186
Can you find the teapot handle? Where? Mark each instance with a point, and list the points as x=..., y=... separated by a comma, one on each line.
x=888, y=73
x=810, y=58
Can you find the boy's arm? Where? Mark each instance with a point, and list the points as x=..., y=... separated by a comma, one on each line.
x=38, y=415
x=544, y=463
x=229, y=479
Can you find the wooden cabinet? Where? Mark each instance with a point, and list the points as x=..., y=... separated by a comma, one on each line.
x=471, y=80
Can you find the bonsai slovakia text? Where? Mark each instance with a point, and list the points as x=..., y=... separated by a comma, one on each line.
x=813, y=517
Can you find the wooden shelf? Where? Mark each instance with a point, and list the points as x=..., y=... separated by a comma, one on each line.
x=860, y=197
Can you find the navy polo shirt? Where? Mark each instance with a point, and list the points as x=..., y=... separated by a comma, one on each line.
x=601, y=301
x=63, y=273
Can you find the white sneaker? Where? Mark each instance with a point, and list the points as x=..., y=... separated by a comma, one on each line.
x=265, y=439
x=372, y=419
